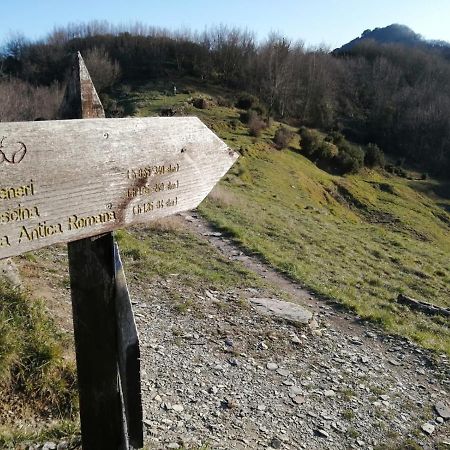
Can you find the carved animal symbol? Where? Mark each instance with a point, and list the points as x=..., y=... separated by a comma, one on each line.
x=12, y=154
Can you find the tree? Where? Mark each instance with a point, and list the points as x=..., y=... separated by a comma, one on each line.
x=104, y=72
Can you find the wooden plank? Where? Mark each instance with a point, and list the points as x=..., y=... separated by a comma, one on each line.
x=128, y=356
x=92, y=280
x=91, y=264
x=65, y=180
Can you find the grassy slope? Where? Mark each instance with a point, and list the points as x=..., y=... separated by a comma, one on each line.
x=358, y=239
x=36, y=379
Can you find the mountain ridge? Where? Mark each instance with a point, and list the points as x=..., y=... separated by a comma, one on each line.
x=394, y=34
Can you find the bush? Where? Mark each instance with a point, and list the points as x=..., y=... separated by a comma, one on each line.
x=222, y=101
x=350, y=158
x=247, y=101
x=326, y=150
x=336, y=137
x=247, y=116
x=103, y=71
x=200, y=103
x=374, y=156
x=23, y=102
x=396, y=171
x=332, y=152
x=310, y=141
x=256, y=125
x=346, y=163
x=282, y=137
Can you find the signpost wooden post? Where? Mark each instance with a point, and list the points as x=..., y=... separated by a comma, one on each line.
x=76, y=181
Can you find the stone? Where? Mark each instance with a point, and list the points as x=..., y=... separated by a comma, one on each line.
x=443, y=410
x=62, y=446
x=283, y=310
x=283, y=372
x=428, y=428
x=275, y=442
x=394, y=362
x=178, y=408
x=49, y=446
x=439, y=420
x=272, y=366
x=173, y=445
x=229, y=342
x=329, y=393
x=233, y=362
x=298, y=399
x=10, y=274
x=321, y=433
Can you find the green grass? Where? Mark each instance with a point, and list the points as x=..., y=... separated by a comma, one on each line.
x=360, y=240
x=63, y=430
x=36, y=378
x=167, y=248
x=346, y=238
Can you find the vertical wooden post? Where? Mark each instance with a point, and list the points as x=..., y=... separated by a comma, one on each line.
x=91, y=265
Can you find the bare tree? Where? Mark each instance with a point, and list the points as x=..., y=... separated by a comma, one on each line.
x=104, y=72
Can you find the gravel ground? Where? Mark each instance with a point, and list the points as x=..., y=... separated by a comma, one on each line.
x=220, y=373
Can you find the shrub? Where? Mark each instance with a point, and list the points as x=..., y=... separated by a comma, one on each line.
x=350, y=158
x=310, y=141
x=374, y=156
x=256, y=125
x=326, y=150
x=200, y=103
x=282, y=137
x=22, y=102
x=336, y=137
x=103, y=71
x=346, y=163
x=222, y=101
x=247, y=116
x=247, y=101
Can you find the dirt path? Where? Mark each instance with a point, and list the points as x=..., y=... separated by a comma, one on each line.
x=217, y=372
x=222, y=374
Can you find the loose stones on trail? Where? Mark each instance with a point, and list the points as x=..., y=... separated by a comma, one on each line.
x=443, y=410
x=284, y=310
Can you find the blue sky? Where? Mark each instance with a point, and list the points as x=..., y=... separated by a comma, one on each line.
x=332, y=22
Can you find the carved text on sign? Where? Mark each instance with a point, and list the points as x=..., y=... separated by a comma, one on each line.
x=131, y=171
x=10, y=192
x=18, y=214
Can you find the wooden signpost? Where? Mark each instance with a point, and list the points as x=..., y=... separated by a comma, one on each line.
x=75, y=181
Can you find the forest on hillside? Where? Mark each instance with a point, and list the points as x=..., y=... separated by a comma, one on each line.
x=394, y=96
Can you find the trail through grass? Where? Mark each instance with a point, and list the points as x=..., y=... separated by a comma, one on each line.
x=359, y=239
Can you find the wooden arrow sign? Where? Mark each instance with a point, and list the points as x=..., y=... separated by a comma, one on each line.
x=65, y=180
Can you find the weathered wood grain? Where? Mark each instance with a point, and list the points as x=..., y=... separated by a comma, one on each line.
x=64, y=180
x=93, y=288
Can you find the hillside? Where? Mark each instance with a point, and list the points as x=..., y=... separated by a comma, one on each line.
x=360, y=239
x=276, y=227
x=395, y=34
x=380, y=92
